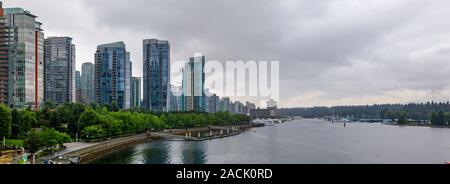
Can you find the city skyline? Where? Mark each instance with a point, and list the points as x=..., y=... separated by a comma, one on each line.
x=347, y=66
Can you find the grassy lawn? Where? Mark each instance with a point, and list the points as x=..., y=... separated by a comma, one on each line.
x=14, y=142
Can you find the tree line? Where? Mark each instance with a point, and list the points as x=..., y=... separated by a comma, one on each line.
x=436, y=113
x=53, y=125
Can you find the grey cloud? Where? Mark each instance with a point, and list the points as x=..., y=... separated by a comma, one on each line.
x=341, y=49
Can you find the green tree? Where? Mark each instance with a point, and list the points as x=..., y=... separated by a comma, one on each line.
x=114, y=107
x=94, y=132
x=45, y=138
x=22, y=122
x=33, y=141
x=70, y=115
x=16, y=129
x=88, y=118
x=5, y=121
x=434, y=118
x=441, y=118
x=402, y=120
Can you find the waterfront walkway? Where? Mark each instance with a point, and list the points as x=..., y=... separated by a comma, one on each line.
x=88, y=151
x=70, y=147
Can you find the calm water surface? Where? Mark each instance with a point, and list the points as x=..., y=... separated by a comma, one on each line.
x=300, y=142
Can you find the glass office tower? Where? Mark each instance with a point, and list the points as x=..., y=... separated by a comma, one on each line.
x=156, y=74
x=87, y=83
x=6, y=56
x=136, y=92
x=59, y=70
x=112, y=75
x=26, y=71
x=194, y=85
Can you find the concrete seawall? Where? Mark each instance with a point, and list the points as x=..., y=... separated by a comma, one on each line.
x=91, y=153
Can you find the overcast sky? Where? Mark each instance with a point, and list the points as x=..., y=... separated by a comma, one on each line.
x=330, y=51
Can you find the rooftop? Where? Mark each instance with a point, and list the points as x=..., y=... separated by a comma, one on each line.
x=119, y=44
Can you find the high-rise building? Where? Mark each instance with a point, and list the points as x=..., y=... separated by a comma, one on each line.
x=6, y=56
x=225, y=105
x=238, y=108
x=271, y=104
x=78, y=86
x=59, y=70
x=87, y=83
x=249, y=106
x=26, y=70
x=213, y=103
x=194, y=85
x=156, y=74
x=136, y=92
x=113, y=75
x=175, y=99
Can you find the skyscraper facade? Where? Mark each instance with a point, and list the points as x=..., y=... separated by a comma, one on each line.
x=78, y=86
x=175, y=99
x=87, y=83
x=271, y=104
x=112, y=75
x=26, y=70
x=6, y=55
x=59, y=70
x=213, y=103
x=136, y=92
x=194, y=85
x=225, y=105
x=249, y=106
x=156, y=74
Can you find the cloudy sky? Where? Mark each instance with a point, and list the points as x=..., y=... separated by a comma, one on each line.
x=330, y=51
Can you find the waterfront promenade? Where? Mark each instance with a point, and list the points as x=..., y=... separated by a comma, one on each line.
x=87, y=152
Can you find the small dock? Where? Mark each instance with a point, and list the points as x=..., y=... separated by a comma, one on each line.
x=202, y=134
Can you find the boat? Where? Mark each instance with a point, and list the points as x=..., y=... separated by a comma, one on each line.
x=257, y=123
x=268, y=122
x=277, y=121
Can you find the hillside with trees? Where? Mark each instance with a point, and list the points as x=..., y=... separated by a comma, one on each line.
x=436, y=113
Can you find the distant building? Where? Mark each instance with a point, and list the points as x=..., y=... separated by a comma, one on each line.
x=78, y=86
x=136, y=92
x=194, y=85
x=113, y=75
x=87, y=83
x=59, y=70
x=264, y=113
x=26, y=61
x=156, y=74
x=249, y=106
x=175, y=99
x=239, y=108
x=213, y=103
x=271, y=104
x=225, y=105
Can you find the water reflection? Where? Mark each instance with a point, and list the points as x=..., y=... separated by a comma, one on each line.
x=157, y=153
x=194, y=153
x=307, y=141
